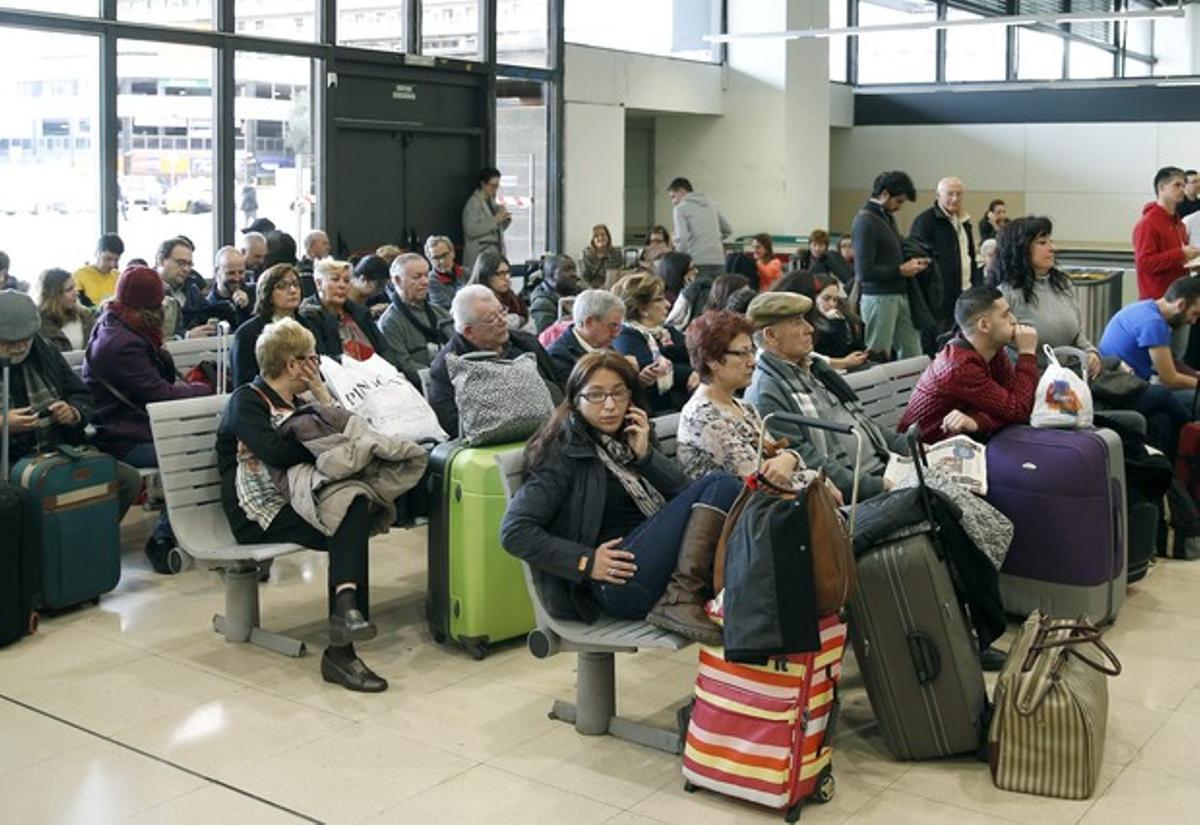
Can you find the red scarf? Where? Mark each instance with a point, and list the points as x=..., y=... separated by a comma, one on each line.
x=134, y=319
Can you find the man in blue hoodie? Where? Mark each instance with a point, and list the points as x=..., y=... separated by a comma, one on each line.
x=700, y=228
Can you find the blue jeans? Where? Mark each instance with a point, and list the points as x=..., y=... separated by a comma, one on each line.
x=655, y=546
x=890, y=326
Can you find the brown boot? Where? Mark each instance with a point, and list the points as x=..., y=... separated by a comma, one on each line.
x=681, y=608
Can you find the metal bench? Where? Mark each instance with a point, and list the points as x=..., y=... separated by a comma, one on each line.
x=884, y=389
x=594, y=711
x=185, y=435
x=666, y=430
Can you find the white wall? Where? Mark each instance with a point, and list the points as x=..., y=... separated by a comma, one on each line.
x=593, y=172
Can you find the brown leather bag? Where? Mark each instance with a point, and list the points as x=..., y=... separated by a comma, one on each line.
x=835, y=573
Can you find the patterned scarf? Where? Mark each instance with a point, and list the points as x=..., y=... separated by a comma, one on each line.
x=615, y=456
x=41, y=396
x=656, y=339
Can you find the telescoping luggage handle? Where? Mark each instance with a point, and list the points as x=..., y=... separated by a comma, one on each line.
x=844, y=429
x=4, y=366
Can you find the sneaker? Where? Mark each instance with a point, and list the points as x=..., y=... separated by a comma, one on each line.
x=158, y=552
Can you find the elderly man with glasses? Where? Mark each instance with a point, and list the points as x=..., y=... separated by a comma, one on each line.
x=481, y=324
x=414, y=327
x=596, y=322
x=446, y=277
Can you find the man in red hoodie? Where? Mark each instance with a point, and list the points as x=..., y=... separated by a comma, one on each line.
x=972, y=386
x=1160, y=241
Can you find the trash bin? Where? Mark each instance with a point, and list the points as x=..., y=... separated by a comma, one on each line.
x=1099, y=292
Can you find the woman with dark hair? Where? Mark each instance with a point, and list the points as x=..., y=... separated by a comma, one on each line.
x=368, y=284
x=995, y=220
x=723, y=287
x=677, y=271
x=654, y=348
x=66, y=323
x=836, y=327
x=718, y=432
x=493, y=271
x=658, y=243
x=770, y=268
x=608, y=523
x=598, y=257
x=342, y=325
x=483, y=219
x=276, y=296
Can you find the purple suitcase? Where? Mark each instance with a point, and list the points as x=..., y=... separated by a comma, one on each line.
x=1065, y=494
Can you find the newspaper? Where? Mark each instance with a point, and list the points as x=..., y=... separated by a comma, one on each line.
x=959, y=457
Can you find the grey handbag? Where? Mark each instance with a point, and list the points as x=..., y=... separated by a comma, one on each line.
x=499, y=400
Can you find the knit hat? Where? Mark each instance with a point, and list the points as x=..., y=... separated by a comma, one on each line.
x=140, y=287
x=19, y=317
x=772, y=307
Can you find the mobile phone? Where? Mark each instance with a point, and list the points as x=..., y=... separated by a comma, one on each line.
x=212, y=322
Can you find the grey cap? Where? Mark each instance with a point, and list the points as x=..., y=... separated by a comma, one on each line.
x=19, y=317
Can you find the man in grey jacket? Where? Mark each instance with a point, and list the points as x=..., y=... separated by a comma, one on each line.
x=700, y=227
x=788, y=379
x=414, y=327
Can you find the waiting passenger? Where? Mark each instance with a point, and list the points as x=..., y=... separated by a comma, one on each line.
x=483, y=219
x=66, y=323
x=995, y=219
x=819, y=259
x=700, y=228
x=480, y=324
x=277, y=297
x=229, y=288
x=657, y=351
x=722, y=288
x=597, y=318
x=658, y=243
x=560, y=279
x=972, y=386
x=770, y=268
x=389, y=252
x=341, y=324
x=316, y=246
x=677, y=269
x=788, y=379
x=126, y=368
x=414, y=327
x=7, y=279
x=97, y=281
x=494, y=272
x=607, y=522
x=368, y=283
x=599, y=258
x=838, y=329
x=186, y=314
x=717, y=432
x=249, y=444
x=445, y=276
x=254, y=248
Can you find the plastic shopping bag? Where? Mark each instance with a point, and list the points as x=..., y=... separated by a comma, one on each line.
x=376, y=391
x=1063, y=400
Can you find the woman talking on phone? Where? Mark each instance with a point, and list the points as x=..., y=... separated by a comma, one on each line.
x=608, y=523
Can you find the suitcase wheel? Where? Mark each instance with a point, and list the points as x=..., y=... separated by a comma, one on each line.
x=34, y=621
x=477, y=648
x=689, y=787
x=826, y=785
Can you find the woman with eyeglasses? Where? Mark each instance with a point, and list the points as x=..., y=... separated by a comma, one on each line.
x=493, y=271
x=656, y=349
x=277, y=296
x=717, y=431
x=609, y=524
x=250, y=446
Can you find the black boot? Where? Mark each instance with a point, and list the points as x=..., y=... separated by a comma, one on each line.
x=340, y=665
x=347, y=623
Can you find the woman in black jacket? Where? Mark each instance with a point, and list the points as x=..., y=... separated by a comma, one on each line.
x=276, y=296
x=249, y=445
x=607, y=522
x=341, y=325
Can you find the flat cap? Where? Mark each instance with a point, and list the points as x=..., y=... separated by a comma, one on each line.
x=19, y=316
x=771, y=307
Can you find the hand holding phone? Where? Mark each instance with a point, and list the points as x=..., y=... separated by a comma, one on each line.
x=637, y=431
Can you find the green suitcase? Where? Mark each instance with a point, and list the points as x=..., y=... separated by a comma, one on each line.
x=476, y=594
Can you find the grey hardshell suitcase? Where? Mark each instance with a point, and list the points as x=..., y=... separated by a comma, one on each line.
x=918, y=657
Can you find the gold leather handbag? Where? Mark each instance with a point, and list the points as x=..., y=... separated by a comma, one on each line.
x=1051, y=716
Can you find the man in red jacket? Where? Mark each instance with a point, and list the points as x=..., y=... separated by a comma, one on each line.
x=1160, y=244
x=972, y=386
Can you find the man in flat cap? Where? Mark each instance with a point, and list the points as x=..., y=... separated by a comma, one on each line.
x=48, y=403
x=787, y=378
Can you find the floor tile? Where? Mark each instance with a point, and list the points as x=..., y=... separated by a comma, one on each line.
x=100, y=783
x=29, y=738
x=39, y=662
x=1172, y=750
x=896, y=808
x=1154, y=679
x=486, y=794
x=1140, y=796
x=211, y=804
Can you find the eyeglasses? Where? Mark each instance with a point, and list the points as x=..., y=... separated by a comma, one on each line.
x=182, y=262
x=443, y=256
x=619, y=395
x=497, y=318
x=746, y=353
x=288, y=284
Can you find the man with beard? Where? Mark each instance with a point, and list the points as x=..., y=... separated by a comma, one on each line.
x=1140, y=335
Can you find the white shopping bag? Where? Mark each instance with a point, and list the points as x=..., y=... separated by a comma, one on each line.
x=1063, y=400
x=376, y=390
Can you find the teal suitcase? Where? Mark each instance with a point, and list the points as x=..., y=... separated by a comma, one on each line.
x=71, y=521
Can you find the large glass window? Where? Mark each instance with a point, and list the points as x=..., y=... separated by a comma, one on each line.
x=165, y=146
x=83, y=8
x=371, y=24
x=274, y=174
x=521, y=151
x=837, y=45
x=897, y=57
x=49, y=154
x=975, y=52
x=663, y=27
x=522, y=29
x=1088, y=61
x=1039, y=55
x=180, y=14
x=451, y=28
x=285, y=19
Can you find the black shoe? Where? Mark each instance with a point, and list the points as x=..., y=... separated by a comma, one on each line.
x=352, y=675
x=264, y=571
x=158, y=552
x=351, y=626
x=992, y=659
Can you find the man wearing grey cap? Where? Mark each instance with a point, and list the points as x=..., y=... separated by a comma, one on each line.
x=788, y=379
x=48, y=403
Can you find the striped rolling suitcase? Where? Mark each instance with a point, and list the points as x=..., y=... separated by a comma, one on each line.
x=762, y=733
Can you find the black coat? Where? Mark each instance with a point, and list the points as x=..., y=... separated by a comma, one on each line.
x=564, y=352
x=62, y=382
x=240, y=314
x=325, y=327
x=241, y=351
x=935, y=230
x=554, y=520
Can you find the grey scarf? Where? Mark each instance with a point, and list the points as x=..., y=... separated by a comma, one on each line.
x=616, y=456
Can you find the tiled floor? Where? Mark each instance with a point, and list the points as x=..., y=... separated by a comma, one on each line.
x=136, y=712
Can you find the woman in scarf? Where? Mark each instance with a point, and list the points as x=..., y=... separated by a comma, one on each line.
x=656, y=350
x=493, y=271
x=277, y=296
x=608, y=523
x=340, y=324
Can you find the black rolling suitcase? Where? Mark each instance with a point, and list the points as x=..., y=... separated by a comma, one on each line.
x=18, y=559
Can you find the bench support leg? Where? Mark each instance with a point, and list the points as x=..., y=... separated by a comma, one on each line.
x=240, y=620
x=594, y=712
